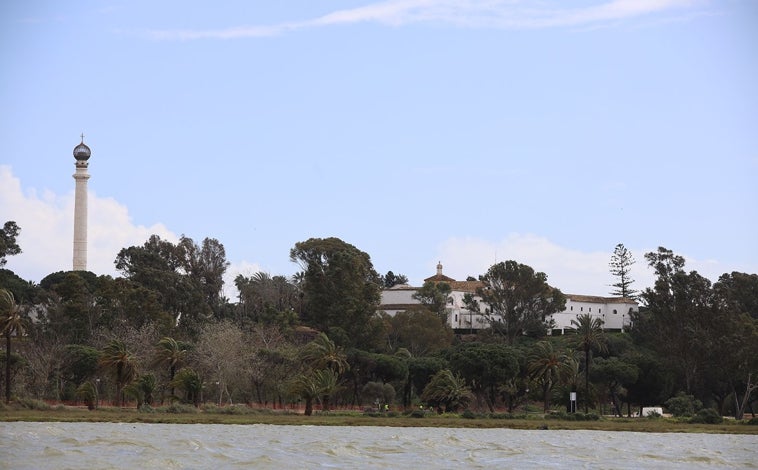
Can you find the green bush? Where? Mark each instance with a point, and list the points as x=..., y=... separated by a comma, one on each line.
x=506, y=416
x=753, y=422
x=683, y=405
x=417, y=414
x=563, y=416
x=468, y=414
x=228, y=410
x=179, y=408
x=707, y=416
x=88, y=394
x=145, y=408
x=32, y=404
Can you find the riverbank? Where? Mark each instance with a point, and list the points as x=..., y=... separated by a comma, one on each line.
x=348, y=418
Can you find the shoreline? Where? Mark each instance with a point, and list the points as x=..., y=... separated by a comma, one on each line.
x=342, y=418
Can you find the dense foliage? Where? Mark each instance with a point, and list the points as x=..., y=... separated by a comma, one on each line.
x=163, y=333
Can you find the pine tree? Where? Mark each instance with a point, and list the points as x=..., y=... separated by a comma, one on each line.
x=621, y=267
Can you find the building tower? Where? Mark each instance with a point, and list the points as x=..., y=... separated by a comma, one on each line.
x=82, y=154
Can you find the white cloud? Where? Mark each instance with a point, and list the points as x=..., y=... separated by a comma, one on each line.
x=572, y=271
x=46, y=224
x=244, y=268
x=47, y=230
x=502, y=14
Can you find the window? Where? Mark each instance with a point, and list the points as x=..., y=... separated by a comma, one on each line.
x=572, y=308
x=581, y=309
x=590, y=309
x=614, y=311
x=599, y=310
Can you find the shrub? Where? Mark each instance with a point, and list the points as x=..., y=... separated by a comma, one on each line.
x=507, y=416
x=88, y=394
x=653, y=415
x=33, y=404
x=417, y=414
x=228, y=410
x=179, y=408
x=562, y=415
x=468, y=414
x=707, y=416
x=145, y=408
x=753, y=422
x=683, y=405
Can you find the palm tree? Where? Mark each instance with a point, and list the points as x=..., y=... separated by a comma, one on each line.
x=12, y=323
x=116, y=358
x=321, y=353
x=589, y=336
x=447, y=389
x=327, y=382
x=548, y=367
x=170, y=352
x=190, y=383
x=315, y=385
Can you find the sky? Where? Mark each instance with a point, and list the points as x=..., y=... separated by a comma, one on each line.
x=466, y=132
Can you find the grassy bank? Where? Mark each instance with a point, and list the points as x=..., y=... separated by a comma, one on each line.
x=244, y=415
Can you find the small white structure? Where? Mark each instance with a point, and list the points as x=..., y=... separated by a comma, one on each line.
x=614, y=311
x=652, y=410
x=81, y=154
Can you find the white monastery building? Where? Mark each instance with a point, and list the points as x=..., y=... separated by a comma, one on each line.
x=614, y=311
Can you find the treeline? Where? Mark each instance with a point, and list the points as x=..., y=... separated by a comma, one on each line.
x=163, y=332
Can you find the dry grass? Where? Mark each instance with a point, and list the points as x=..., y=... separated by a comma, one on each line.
x=69, y=414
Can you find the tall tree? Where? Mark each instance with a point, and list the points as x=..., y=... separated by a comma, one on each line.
x=188, y=277
x=172, y=354
x=266, y=299
x=621, y=267
x=615, y=373
x=224, y=356
x=678, y=316
x=12, y=323
x=419, y=331
x=391, y=279
x=589, y=337
x=117, y=359
x=548, y=367
x=72, y=310
x=8, y=245
x=341, y=291
x=734, y=360
x=434, y=295
x=205, y=264
x=517, y=299
x=486, y=366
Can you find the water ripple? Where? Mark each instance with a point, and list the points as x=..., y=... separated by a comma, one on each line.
x=172, y=446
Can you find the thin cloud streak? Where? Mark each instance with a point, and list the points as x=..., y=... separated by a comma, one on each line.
x=495, y=14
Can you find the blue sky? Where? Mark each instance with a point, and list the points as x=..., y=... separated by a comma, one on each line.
x=461, y=131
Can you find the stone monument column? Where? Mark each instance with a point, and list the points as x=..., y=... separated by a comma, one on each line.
x=81, y=154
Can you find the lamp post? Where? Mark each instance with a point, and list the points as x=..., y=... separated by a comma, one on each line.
x=97, y=391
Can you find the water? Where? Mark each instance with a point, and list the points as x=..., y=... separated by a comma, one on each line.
x=203, y=446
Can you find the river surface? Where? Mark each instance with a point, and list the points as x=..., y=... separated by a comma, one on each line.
x=213, y=446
